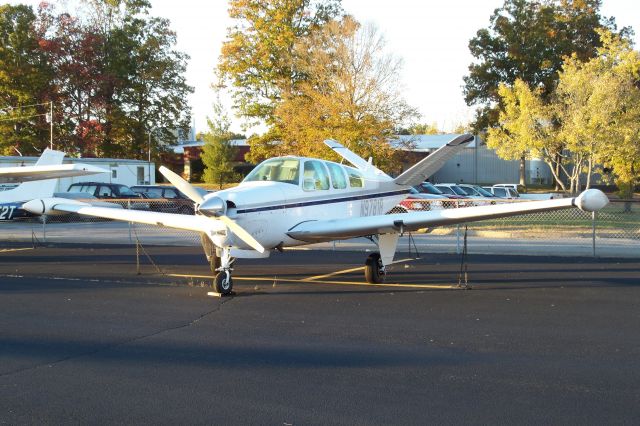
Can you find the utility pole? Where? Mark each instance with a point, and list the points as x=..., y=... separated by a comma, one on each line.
x=51, y=123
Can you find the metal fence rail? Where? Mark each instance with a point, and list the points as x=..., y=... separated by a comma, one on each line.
x=613, y=231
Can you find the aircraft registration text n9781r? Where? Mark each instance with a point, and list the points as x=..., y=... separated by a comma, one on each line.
x=291, y=201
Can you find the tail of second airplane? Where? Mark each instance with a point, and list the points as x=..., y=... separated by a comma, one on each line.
x=420, y=171
x=37, y=189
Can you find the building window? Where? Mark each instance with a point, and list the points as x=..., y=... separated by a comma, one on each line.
x=114, y=174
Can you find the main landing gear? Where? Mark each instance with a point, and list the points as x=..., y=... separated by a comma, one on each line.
x=223, y=283
x=374, y=270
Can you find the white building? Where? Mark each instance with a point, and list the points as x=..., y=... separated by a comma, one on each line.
x=126, y=172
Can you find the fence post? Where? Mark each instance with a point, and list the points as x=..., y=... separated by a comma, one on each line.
x=457, y=239
x=593, y=232
x=129, y=208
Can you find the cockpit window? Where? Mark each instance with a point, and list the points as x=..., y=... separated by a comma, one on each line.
x=337, y=176
x=315, y=176
x=284, y=170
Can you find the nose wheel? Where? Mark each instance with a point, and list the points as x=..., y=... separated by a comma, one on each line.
x=223, y=283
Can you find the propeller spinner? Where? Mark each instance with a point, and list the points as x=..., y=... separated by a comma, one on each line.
x=213, y=207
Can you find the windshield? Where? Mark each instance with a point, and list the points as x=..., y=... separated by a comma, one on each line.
x=428, y=188
x=483, y=191
x=468, y=191
x=284, y=170
x=457, y=190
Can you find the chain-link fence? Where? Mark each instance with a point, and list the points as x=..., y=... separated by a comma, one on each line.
x=613, y=231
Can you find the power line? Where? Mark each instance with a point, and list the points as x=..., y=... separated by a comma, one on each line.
x=25, y=106
x=23, y=117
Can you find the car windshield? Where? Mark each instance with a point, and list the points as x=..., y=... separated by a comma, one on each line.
x=468, y=191
x=457, y=190
x=483, y=191
x=428, y=188
x=284, y=170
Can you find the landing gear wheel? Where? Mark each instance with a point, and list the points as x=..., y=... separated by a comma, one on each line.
x=223, y=283
x=374, y=269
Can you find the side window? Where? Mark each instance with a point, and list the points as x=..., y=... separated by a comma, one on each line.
x=105, y=191
x=355, y=178
x=500, y=192
x=170, y=193
x=89, y=189
x=315, y=176
x=337, y=176
x=154, y=193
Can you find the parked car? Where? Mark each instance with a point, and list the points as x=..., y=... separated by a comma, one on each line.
x=421, y=201
x=503, y=192
x=478, y=192
x=173, y=201
x=429, y=188
x=111, y=191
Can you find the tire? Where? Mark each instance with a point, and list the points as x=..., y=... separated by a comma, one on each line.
x=373, y=269
x=223, y=283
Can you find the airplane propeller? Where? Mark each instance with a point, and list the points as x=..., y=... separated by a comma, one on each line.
x=213, y=207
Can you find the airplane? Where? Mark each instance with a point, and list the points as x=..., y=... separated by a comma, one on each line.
x=291, y=201
x=38, y=181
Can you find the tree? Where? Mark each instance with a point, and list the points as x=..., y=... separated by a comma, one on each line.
x=218, y=154
x=528, y=41
x=25, y=85
x=600, y=104
x=257, y=58
x=351, y=93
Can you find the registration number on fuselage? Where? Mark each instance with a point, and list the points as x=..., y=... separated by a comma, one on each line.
x=7, y=211
x=371, y=207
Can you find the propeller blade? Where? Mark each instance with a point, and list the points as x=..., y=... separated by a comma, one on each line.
x=241, y=233
x=185, y=187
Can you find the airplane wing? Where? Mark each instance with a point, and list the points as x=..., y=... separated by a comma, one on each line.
x=420, y=171
x=327, y=230
x=170, y=220
x=40, y=172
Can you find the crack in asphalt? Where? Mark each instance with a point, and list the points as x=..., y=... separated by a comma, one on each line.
x=121, y=343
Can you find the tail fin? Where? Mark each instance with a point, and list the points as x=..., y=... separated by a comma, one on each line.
x=428, y=166
x=36, y=189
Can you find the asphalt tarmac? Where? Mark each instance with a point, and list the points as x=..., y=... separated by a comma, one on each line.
x=86, y=339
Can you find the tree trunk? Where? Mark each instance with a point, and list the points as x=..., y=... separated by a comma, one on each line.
x=589, y=172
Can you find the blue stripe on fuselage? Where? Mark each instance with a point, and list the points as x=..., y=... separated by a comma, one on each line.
x=327, y=201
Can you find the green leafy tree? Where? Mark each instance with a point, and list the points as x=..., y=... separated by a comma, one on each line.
x=528, y=41
x=25, y=86
x=218, y=154
x=257, y=57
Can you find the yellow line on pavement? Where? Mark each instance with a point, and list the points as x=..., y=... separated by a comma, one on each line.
x=346, y=271
x=304, y=281
x=15, y=249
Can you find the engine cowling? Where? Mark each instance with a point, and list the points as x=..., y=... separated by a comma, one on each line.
x=42, y=206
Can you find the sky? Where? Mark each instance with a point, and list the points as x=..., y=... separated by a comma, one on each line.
x=430, y=36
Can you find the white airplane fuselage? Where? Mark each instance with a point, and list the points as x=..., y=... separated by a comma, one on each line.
x=268, y=209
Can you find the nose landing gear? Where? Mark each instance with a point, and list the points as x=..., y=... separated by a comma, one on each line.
x=223, y=283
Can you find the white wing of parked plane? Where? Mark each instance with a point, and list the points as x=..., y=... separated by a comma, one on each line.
x=168, y=220
x=32, y=173
x=326, y=230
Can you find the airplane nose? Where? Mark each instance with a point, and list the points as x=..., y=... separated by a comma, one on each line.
x=214, y=206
